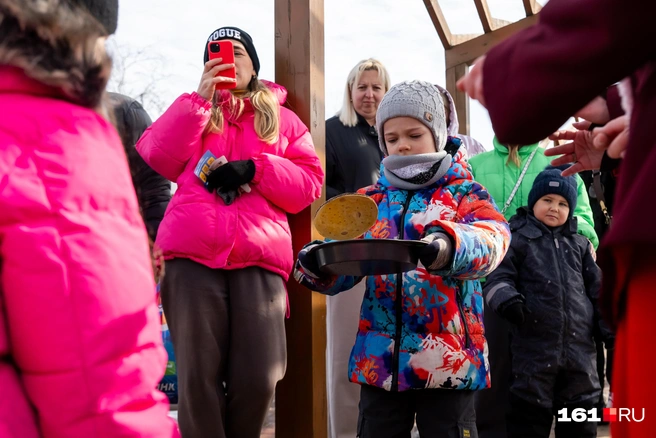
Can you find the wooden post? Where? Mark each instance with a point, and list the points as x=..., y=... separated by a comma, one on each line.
x=439, y=22
x=531, y=7
x=467, y=52
x=301, y=408
x=453, y=74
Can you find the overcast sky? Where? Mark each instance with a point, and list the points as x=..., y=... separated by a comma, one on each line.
x=170, y=37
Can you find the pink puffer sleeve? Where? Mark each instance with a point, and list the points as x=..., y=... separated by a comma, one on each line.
x=17, y=418
x=170, y=142
x=294, y=180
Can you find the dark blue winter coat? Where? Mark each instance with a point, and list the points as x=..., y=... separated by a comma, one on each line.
x=554, y=273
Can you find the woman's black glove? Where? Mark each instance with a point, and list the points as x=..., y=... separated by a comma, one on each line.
x=516, y=313
x=231, y=175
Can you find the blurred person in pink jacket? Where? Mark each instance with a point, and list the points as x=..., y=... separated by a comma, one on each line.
x=80, y=346
x=228, y=251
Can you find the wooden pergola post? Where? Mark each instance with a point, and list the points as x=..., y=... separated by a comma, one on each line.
x=301, y=408
x=461, y=56
x=462, y=50
x=453, y=75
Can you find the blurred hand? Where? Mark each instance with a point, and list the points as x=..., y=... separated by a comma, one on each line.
x=596, y=111
x=157, y=260
x=580, y=151
x=209, y=79
x=472, y=82
x=614, y=137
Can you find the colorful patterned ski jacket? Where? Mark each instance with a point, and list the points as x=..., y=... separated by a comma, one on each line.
x=426, y=330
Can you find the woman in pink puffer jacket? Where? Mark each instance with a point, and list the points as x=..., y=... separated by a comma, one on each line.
x=229, y=251
x=80, y=345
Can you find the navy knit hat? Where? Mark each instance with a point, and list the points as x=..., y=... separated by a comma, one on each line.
x=235, y=33
x=551, y=182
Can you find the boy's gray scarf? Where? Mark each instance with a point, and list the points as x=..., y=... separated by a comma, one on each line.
x=412, y=172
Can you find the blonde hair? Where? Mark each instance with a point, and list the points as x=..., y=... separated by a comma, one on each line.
x=347, y=114
x=513, y=155
x=266, y=106
x=513, y=152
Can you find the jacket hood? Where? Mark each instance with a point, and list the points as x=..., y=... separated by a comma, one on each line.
x=59, y=44
x=473, y=146
x=452, y=124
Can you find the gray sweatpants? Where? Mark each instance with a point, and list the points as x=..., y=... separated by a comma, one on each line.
x=228, y=334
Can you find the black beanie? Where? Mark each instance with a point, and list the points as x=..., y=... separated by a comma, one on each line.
x=105, y=11
x=234, y=33
x=551, y=182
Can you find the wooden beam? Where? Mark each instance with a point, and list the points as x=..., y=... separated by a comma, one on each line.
x=531, y=7
x=484, y=15
x=468, y=52
x=441, y=26
x=454, y=74
x=498, y=23
x=460, y=38
x=301, y=408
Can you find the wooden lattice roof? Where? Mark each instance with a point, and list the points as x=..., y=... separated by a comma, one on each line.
x=465, y=48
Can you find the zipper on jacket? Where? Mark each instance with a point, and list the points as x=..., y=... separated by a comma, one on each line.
x=398, y=303
x=461, y=309
x=562, y=289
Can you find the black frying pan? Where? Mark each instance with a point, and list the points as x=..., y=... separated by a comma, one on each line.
x=367, y=256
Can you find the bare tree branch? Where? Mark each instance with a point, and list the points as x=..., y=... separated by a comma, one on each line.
x=139, y=73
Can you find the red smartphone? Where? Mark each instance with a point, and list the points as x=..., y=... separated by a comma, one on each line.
x=223, y=49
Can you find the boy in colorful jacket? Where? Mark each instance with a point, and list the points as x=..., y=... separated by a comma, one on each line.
x=423, y=330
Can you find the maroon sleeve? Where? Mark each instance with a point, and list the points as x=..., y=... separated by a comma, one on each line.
x=614, y=102
x=537, y=79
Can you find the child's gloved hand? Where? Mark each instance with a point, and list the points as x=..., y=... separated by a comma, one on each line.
x=516, y=313
x=437, y=253
x=309, y=262
x=231, y=175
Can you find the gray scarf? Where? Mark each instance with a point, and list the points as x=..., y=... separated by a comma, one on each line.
x=412, y=172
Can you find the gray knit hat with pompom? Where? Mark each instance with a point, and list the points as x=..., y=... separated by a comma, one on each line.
x=418, y=99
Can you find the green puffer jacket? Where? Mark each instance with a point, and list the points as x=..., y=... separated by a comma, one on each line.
x=499, y=179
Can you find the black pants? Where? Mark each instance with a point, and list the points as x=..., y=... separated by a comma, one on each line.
x=604, y=367
x=527, y=420
x=492, y=404
x=441, y=413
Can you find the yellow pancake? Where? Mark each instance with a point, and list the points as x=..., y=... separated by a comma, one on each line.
x=346, y=216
